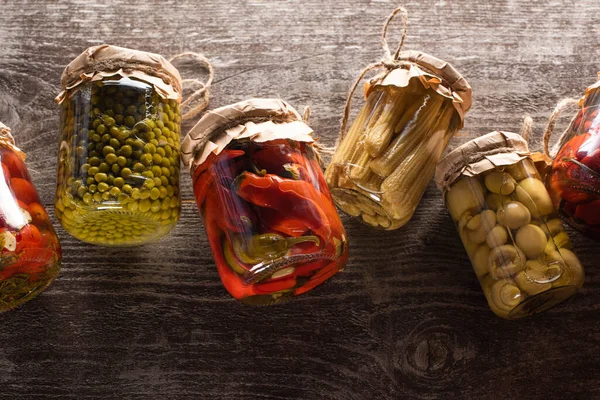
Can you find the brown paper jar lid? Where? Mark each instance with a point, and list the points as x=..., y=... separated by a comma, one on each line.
x=259, y=120
x=98, y=62
x=496, y=149
x=433, y=73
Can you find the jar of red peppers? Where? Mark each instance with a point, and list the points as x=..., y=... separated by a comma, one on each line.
x=269, y=218
x=29, y=249
x=519, y=250
x=574, y=180
x=118, y=167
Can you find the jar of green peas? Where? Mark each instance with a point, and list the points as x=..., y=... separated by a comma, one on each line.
x=118, y=162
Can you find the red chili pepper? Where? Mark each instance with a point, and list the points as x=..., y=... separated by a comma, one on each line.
x=275, y=285
x=589, y=212
x=592, y=160
x=14, y=164
x=298, y=199
x=23, y=190
x=321, y=276
x=276, y=221
x=38, y=214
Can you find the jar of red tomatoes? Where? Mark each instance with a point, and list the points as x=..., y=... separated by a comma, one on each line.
x=29, y=249
x=574, y=181
x=268, y=214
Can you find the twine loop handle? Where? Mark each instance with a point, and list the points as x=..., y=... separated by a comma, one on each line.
x=199, y=99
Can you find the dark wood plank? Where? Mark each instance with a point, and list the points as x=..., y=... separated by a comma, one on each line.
x=406, y=319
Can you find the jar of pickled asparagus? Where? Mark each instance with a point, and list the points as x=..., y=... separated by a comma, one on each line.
x=270, y=221
x=118, y=167
x=385, y=162
x=513, y=235
x=29, y=249
x=574, y=181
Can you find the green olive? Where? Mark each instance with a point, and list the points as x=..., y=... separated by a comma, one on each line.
x=513, y=215
x=505, y=261
x=532, y=193
x=500, y=183
x=464, y=195
x=532, y=240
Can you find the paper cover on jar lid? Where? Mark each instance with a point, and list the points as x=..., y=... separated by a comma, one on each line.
x=433, y=73
x=496, y=149
x=99, y=62
x=259, y=120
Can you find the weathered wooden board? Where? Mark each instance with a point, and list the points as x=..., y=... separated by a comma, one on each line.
x=406, y=319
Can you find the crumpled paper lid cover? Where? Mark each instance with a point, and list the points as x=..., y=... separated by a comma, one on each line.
x=259, y=120
x=433, y=73
x=7, y=140
x=496, y=149
x=98, y=62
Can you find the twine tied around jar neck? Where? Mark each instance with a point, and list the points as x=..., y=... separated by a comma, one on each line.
x=199, y=99
x=7, y=140
x=567, y=133
x=388, y=62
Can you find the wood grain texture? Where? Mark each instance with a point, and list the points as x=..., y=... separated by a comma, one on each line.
x=405, y=320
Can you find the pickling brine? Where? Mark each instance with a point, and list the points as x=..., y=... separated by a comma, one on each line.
x=518, y=247
x=30, y=253
x=270, y=221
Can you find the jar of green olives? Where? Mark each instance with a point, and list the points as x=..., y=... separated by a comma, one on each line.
x=118, y=167
x=513, y=235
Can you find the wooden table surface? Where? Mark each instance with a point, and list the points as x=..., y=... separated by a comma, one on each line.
x=405, y=320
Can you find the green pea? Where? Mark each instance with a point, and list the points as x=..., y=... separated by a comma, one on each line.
x=92, y=188
x=144, y=193
x=155, y=206
x=154, y=193
x=165, y=214
x=119, y=182
x=170, y=191
x=114, y=143
x=165, y=204
x=164, y=181
x=100, y=177
x=119, y=119
x=150, y=124
x=160, y=124
x=81, y=191
x=84, y=168
x=146, y=159
x=127, y=189
x=119, y=108
x=105, y=138
x=131, y=110
x=145, y=205
x=150, y=148
x=93, y=170
x=139, y=167
x=111, y=158
x=96, y=138
x=87, y=198
x=156, y=171
x=166, y=172
x=157, y=158
x=136, y=194
x=174, y=202
x=101, y=129
x=81, y=151
x=157, y=181
x=122, y=161
x=133, y=206
x=98, y=197
x=161, y=151
x=126, y=172
x=149, y=184
x=104, y=167
x=106, y=196
x=163, y=192
x=108, y=150
x=125, y=150
x=102, y=187
x=115, y=168
x=130, y=121
x=96, y=123
x=165, y=162
x=110, y=180
x=89, y=180
x=95, y=161
x=124, y=134
x=109, y=121
x=115, y=191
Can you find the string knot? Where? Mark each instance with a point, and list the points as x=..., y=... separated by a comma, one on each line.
x=199, y=99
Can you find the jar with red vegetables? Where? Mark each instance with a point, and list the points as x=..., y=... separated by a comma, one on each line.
x=29, y=249
x=269, y=218
x=574, y=181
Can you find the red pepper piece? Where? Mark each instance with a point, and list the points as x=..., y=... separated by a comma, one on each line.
x=28, y=236
x=5, y=173
x=592, y=160
x=275, y=221
x=276, y=285
x=202, y=184
x=298, y=199
x=576, y=196
x=321, y=276
x=589, y=212
x=14, y=164
x=23, y=190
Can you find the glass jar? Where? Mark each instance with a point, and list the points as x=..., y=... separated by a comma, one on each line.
x=270, y=221
x=512, y=233
x=384, y=164
x=29, y=249
x=118, y=167
x=574, y=181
